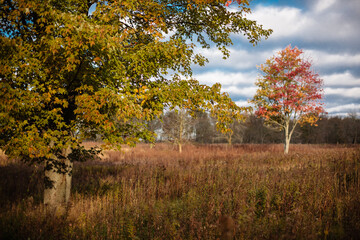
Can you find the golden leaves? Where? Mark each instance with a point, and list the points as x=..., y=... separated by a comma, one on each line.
x=94, y=74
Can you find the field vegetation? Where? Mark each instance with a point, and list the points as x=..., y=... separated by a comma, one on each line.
x=157, y=193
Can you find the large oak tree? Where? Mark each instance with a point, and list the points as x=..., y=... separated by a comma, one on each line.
x=67, y=74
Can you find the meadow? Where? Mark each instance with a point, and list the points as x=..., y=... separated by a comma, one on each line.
x=156, y=193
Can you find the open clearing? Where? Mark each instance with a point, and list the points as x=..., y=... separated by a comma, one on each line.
x=157, y=193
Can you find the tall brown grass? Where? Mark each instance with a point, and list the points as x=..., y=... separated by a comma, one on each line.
x=157, y=193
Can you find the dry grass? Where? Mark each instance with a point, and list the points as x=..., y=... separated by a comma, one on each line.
x=157, y=193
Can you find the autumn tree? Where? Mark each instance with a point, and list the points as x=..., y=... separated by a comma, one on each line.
x=289, y=92
x=185, y=98
x=178, y=126
x=227, y=114
x=182, y=98
x=67, y=74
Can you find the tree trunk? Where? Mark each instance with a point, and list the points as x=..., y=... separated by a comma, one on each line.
x=287, y=144
x=229, y=139
x=181, y=129
x=287, y=139
x=56, y=197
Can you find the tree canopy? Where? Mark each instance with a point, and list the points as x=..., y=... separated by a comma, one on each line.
x=67, y=71
x=67, y=74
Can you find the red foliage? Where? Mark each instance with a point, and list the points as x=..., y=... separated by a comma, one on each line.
x=289, y=88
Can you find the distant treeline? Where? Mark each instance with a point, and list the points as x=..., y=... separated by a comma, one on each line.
x=202, y=129
x=331, y=130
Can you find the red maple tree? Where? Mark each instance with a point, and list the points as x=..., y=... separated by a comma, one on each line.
x=289, y=92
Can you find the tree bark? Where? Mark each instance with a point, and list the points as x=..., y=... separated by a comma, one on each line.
x=287, y=144
x=229, y=138
x=287, y=138
x=57, y=196
x=181, y=129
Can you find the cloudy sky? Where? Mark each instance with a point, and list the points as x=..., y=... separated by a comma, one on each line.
x=327, y=30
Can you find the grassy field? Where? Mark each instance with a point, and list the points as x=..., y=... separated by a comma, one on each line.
x=157, y=193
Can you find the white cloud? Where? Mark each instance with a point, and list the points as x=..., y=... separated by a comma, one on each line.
x=345, y=92
x=226, y=79
x=322, y=5
x=284, y=21
x=347, y=108
x=325, y=22
x=243, y=103
x=325, y=59
x=245, y=92
x=343, y=79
